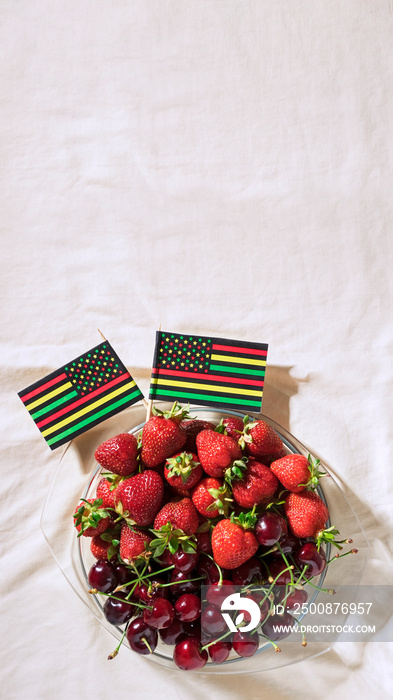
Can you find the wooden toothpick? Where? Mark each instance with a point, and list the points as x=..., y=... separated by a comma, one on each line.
x=101, y=334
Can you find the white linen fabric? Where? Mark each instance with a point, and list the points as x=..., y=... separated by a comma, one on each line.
x=220, y=167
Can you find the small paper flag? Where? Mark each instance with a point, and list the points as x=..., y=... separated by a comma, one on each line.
x=80, y=395
x=208, y=371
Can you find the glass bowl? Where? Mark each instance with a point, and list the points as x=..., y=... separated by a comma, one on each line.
x=77, y=476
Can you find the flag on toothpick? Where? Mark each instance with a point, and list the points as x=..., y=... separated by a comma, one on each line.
x=208, y=371
x=80, y=395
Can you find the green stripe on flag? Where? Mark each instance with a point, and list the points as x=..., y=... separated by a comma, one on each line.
x=237, y=370
x=203, y=397
x=53, y=405
x=97, y=414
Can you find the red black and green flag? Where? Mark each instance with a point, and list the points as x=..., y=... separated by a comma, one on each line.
x=80, y=395
x=208, y=371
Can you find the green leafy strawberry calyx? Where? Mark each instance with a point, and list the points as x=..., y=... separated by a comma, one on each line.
x=329, y=535
x=222, y=501
x=176, y=413
x=89, y=514
x=113, y=479
x=245, y=436
x=181, y=465
x=245, y=520
x=168, y=537
x=315, y=473
x=236, y=470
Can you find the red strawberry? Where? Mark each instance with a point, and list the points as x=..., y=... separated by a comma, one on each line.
x=306, y=513
x=132, y=543
x=180, y=514
x=232, y=545
x=162, y=436
x=262, y=442
x=295, y=472
x=192, y=428
x=106, y=490
x=183, y=470
x=90, y=518
x=216, y=452
x=233, y=427
x=118, y=454
x=209, y=496
x=257, y=486
x=100, y=548
x=141, y=495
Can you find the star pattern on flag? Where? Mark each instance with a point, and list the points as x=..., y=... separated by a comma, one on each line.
x=96, y=368
x=184, y=352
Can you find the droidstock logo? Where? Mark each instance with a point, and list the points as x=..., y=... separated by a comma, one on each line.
x=236, y=602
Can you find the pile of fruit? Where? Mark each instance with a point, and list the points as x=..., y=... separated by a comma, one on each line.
x=188, y=504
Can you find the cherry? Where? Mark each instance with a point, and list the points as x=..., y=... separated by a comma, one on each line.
x=184, y=561
x=182, y=584
x=173, y=633
x=309, y=555
x=289, y=543
x=102, y=576
x=188, y=607
x=263, y=606
x=276, y=566
x=123, y=574
x=270, y=528
x=212, y=622
x=252, y=571
x=245, y=643
x=147, y=591
x=277, y=626
x=204, y=542
x=118, y=611
x=219, y=651
x=206, y=567
x=188, y=654
x=217, y=592
x=141, y=637
x=295, y=600
x=160, y=615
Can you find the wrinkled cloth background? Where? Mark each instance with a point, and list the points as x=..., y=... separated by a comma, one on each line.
x=220, y=167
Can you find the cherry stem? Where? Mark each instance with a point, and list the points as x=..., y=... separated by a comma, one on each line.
x=206, y=646
x=174, y=583
x=290, y=567
x=110, y=595
x=339, y=556
x=115, y=653
x=147, y=644
x=218, y=567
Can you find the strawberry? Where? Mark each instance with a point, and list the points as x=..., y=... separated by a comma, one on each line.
x=162, y=436
x=102, y=549
x=256, y=487
x=90, y=518
x=232, y=544
x=296, y=472
x=118, y=454
x=232, y=426
x=183, y=470
x=180, y=514
x=262, y=442
x=210, y=497
x=306, y=513
x=192, y=428
x=216, y=452
x=132, y=543
x=106, y=490
x=141, y=496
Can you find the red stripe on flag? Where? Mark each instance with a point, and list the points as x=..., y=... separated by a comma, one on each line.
x=80, y=402
x=233, y=348
x=206, y=376
x=43, y=387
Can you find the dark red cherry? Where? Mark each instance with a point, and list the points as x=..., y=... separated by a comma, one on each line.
x=245, y=643
x=217, y=592
x=184, y=561
x=188, y=607
x=308, y=555
x=280, y=572
x=141, y=637
x=118, y=611
x=160, y=614
x=102, y=576
x=182, y=583
x=147, y=591
x=219, y=651
x=278, y=626
x=206, y=567
x=188, y=654
x=212, y=622
x=270, y=528
x=172, y=634
x=252, y=571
